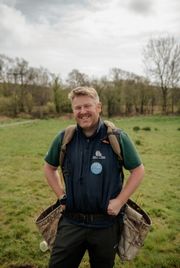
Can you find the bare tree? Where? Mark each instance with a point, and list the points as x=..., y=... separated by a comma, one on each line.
x=76, y=78
x=162, y=63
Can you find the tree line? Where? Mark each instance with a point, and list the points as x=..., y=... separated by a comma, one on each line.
x=36, y=92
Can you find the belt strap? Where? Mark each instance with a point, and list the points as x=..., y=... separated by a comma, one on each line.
x=88, y=218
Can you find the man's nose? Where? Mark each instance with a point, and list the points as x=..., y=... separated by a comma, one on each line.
x=82, y=110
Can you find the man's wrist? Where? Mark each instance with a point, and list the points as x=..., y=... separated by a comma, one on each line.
x=121, y=202
x=61, y=196
x=62, y=199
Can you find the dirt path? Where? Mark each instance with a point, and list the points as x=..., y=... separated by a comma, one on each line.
x=18, y=123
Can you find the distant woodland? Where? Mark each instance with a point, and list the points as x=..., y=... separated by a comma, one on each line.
x=31, y=92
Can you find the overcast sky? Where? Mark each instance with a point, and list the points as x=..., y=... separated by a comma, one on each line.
x=92, y=36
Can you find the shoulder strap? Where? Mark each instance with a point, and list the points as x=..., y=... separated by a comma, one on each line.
x=113, y=137
x=68, y=134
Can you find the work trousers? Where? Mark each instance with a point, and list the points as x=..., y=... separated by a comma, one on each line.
x=72, y=241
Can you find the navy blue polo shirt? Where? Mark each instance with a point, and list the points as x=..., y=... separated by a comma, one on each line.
x=91, y=169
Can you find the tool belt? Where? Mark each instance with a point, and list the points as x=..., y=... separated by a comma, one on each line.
x=136, y=226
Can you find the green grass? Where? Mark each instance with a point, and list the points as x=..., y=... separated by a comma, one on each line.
x=24, y=191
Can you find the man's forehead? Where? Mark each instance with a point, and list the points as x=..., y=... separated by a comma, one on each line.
x=82, y=100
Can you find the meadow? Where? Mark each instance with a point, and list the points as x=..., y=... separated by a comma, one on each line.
x=24, y=192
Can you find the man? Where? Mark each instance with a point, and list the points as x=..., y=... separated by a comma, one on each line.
x=93, y=197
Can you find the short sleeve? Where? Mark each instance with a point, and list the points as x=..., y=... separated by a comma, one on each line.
x=131, y=156
x=52, y=156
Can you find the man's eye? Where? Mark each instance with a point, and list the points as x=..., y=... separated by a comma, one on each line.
x=87, y=106
x=77, y=108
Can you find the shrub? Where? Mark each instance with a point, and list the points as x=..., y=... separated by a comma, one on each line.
x=136, y=128
x=138, y=142
x=146, y=128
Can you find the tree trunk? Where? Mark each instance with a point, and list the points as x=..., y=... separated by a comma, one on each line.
x=164, y=104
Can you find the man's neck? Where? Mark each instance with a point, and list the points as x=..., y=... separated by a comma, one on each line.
x=89, y=132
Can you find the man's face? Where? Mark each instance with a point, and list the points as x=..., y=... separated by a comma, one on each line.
x=86, y=111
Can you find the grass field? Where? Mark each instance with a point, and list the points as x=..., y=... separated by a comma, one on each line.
x=24, y=192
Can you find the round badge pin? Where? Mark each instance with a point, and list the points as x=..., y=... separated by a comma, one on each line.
x=96, y=168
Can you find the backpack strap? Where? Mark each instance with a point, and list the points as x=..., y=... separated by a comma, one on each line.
x=113, y=137
x=68, y=135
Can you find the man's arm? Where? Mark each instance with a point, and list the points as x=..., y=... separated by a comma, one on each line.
x=53, y=179
x=131, y=185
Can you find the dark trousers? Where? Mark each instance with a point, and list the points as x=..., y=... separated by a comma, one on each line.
x=72, y=241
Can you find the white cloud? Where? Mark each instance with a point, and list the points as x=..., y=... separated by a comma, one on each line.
x=14, y=29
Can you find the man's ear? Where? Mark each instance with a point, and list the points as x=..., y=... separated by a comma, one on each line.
x=99, y=105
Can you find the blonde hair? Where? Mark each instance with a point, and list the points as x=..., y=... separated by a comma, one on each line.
x=84, y=91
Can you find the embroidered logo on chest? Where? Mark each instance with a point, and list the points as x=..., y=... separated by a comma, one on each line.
x=98, y=155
